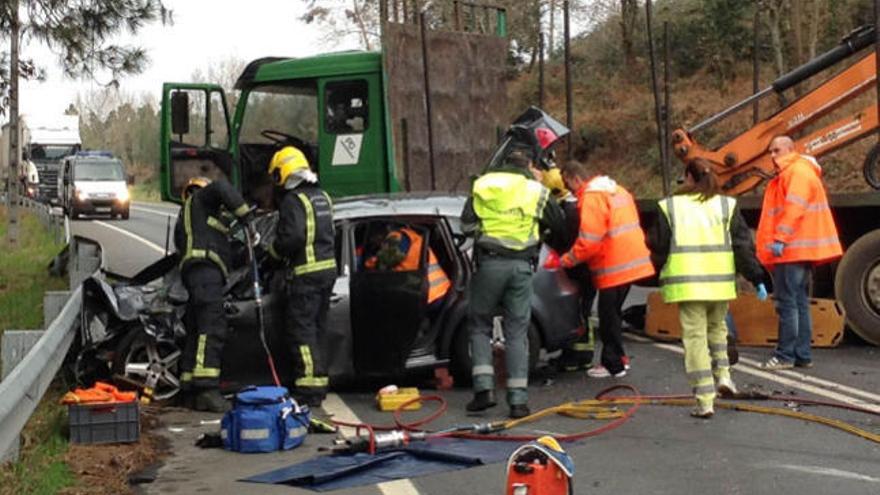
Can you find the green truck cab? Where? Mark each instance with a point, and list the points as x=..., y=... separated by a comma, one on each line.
x=422, y=114
x=331, y=106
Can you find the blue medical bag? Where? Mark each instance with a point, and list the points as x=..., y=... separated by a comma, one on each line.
x=264, y=419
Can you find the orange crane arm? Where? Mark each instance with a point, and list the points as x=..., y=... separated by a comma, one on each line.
x=743, y=162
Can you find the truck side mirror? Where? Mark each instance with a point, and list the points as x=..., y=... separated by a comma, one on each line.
x=180, y=113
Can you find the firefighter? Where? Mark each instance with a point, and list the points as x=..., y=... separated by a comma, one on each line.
x=507, y=212
x=305, y=241
x=612, y=244
x=201, y=236
x=401, y=251
x=701, y=241
x=796, y=231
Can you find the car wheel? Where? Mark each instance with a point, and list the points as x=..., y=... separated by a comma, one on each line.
x=125, y=214
x=143, y=362
x=74, y=215
x=462, y=364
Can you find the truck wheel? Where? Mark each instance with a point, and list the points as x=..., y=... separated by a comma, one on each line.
x=857, y=286
x=125, y=214
x=462, y=365
x=871, y=167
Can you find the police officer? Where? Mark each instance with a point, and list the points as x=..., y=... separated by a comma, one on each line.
x=305, y=241
x=507, y=212
x=201, y=236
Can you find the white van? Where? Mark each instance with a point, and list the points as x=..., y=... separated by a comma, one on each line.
x=94, y=183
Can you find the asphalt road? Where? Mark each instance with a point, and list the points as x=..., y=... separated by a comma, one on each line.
x=661, y=450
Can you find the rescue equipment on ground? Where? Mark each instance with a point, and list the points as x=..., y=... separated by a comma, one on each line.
x=264, y=419
x=390, y=398
x=541, y=467
x=100, y=392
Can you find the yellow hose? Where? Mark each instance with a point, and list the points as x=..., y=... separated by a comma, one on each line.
x=608, y=409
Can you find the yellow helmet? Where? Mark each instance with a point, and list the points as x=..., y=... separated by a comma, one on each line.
x=193, y=185
x=285, y=162
x=552, y=180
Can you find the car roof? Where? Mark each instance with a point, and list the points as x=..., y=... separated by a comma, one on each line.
x=397, y=204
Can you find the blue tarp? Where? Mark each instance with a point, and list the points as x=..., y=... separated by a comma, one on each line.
x=333, y=472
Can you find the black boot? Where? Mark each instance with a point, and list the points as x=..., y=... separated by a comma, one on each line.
x=732, y=353
x=519, y=411
x=210, y=400
x=482, y=401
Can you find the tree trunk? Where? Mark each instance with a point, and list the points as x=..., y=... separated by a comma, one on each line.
x=628, y=15
x=815, y=16
x=358, y=11
x=550, y=41
x=774, y=24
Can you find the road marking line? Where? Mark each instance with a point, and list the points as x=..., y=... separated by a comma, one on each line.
x=338, y=410
x=136, y=237
x=819, y=381
x=155, y=212
x=825, y=471
x=743, y=368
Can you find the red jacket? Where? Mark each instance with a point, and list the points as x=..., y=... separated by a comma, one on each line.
x=610, y=241
x=796, y=213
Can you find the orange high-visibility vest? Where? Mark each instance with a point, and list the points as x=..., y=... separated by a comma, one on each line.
x=610, y=240
x=438, y=282
x=796, y=212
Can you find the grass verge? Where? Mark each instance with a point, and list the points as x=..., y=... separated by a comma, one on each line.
x=23, y=273
x=146, y=191
x=23, y=279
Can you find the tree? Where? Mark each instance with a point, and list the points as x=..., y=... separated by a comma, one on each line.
x=346, y=18
x=80, y=33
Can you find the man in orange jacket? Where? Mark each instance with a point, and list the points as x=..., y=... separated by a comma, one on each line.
x=611, y=242
x=796, y=231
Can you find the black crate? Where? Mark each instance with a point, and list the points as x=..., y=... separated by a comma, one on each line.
x=104, y=423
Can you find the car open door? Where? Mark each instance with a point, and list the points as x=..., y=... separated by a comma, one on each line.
x=387, y=311
x=194, y=136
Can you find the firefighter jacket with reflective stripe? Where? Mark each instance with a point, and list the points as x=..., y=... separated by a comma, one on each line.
x=507, y=212
x=796, y=213
x=438, y=282
x=305, y=236
x=202, y=228
x=610, y=241
x=700, y=265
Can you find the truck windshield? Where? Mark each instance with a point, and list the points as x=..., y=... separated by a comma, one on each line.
x=49, y=152
x=98, y=171
x=291, y=110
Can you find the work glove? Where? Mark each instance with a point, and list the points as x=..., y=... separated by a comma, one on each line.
x=762, y=292
x=552, y=261
x=777, y=248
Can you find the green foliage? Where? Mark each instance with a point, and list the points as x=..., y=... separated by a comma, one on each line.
x=23, y=273
x=81, y=33
x=41, y=469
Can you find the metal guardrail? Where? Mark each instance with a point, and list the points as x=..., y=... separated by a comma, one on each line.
x=24, y=387
x=22, y=390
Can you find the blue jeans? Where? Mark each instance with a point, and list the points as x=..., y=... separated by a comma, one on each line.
x=791, y=284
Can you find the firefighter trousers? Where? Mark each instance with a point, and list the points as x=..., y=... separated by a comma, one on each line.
x=308, y=300
x=205, y=326
x=506, y=283
x=704, y=336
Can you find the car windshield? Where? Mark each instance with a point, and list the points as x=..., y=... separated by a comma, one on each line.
x=288, y=109
x=107, y=170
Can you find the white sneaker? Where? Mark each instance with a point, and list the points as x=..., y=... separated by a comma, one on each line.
x=726, y=387
x=704, y=411
x=600, y=371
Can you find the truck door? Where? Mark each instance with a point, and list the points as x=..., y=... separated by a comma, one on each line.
x=352, y=157
x=194, y=136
